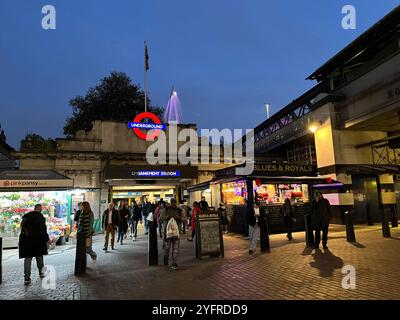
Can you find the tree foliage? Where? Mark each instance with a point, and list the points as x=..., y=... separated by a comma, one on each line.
x=35, y=142
x=115, y=98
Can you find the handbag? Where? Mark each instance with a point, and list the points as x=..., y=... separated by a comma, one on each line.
x=89, y=242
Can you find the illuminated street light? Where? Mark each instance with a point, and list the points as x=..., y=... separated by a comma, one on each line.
x=314, y=126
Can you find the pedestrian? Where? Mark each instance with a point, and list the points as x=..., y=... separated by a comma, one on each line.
x=78, y=213
x=184, y=219
x=135, y=219
x=109, y=223
x=171, y=219
x=85, y=226
x=287, y=212
x=256, y=218
x=146, y=209
x=203, y=204
x=160, y=208
x=195, y=212
x=124, y=216
x=320, y=219
x=223, y=217
x=33, y=241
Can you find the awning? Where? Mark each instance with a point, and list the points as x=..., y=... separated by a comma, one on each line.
x=33, y=179
x=199, y=187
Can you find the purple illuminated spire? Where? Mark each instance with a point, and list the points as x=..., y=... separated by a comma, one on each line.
x=173, y=110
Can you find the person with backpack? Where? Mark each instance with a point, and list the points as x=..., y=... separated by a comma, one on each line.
x=171, y=219
x=33, y=241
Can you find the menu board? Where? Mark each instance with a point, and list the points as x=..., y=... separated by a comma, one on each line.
x=209, y=240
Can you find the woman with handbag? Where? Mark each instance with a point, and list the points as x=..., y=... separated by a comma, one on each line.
x=287, y=212
x=86, y=226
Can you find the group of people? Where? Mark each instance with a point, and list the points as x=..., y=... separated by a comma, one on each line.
x=321, y=212
x=34, y=239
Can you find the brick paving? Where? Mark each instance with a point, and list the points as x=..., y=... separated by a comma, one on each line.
x=290, y=271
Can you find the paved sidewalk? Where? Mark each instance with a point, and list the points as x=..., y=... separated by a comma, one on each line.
x=290, y=271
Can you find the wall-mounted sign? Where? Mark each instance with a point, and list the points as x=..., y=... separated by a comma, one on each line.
x=156, y=173
x=137, y=126
x=36, y=183
x=274, y=169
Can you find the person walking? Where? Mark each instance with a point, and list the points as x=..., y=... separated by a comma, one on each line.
x=135, y=219
x=320, y=219
x=184, y=211
x=256, y=218
x=160, y=209
x=109, y=223
x=33, y=241
x=223, y=217
x=195, y=212
x=171, y=233
x=78, y=213
x=124, y=216
x=85, y=225
x=287, y=212
x=146, y=209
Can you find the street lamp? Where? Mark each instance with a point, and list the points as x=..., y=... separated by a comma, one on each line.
x=314, y=126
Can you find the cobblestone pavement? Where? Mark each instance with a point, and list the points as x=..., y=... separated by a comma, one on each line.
x=290, y=271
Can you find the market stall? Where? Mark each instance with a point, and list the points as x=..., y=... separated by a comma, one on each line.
x=21, y=190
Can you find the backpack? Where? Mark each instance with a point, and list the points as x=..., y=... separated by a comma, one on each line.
x=172, y=230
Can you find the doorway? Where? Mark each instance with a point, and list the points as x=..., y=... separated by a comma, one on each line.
x=366, y=199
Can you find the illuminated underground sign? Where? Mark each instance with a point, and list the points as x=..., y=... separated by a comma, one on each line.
x=137, y=126
x=156, y=173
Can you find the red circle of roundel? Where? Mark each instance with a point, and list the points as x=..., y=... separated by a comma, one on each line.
x=141, y=134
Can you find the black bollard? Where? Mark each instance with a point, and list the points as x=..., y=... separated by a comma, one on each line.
x=309, y=231
x=1, y=260
x=350, y=234
x=395, y=223
x=264, y=237
x=385, y=223
x=80, y=256
x=153, y=247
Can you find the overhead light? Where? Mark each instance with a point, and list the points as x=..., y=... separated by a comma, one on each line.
x=313, y=127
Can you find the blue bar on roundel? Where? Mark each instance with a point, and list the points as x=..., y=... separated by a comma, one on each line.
x=146, y=126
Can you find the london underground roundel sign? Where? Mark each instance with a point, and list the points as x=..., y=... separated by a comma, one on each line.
x=137, y=126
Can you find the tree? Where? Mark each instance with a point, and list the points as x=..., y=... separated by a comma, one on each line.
x=116, y=98
x=3, y=137
x=35, y=142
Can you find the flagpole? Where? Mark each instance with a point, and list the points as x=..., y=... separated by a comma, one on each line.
x=145, y=78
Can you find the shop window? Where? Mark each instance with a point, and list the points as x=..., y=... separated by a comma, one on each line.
x=277, y=193
x=234, y=192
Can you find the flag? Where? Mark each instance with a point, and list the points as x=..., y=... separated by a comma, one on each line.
x=146, y=57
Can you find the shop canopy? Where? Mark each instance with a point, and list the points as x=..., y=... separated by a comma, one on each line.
x=33, y=180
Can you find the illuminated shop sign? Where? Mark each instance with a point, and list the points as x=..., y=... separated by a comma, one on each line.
x=156, y=173
x=137, y=126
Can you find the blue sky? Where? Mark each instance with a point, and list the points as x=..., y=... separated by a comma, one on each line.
x=225, y=58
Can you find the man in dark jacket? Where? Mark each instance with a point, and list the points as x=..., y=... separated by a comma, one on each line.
x=320, y=219
x=203, y=204
x=146, y=209
x=124, y=216
x=109, y=222
x=33, y=241
x=135, y=219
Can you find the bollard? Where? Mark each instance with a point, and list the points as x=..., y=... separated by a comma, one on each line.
x=153, y=247
x=264, y=236
x=385, y=223
x=309, y=231
x=350, y=234
x=80, y=256
x=1, y=260
x=395, y=223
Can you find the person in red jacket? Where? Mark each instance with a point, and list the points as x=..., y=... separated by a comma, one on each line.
x=195, y=211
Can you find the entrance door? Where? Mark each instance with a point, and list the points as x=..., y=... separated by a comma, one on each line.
x=366, y=199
